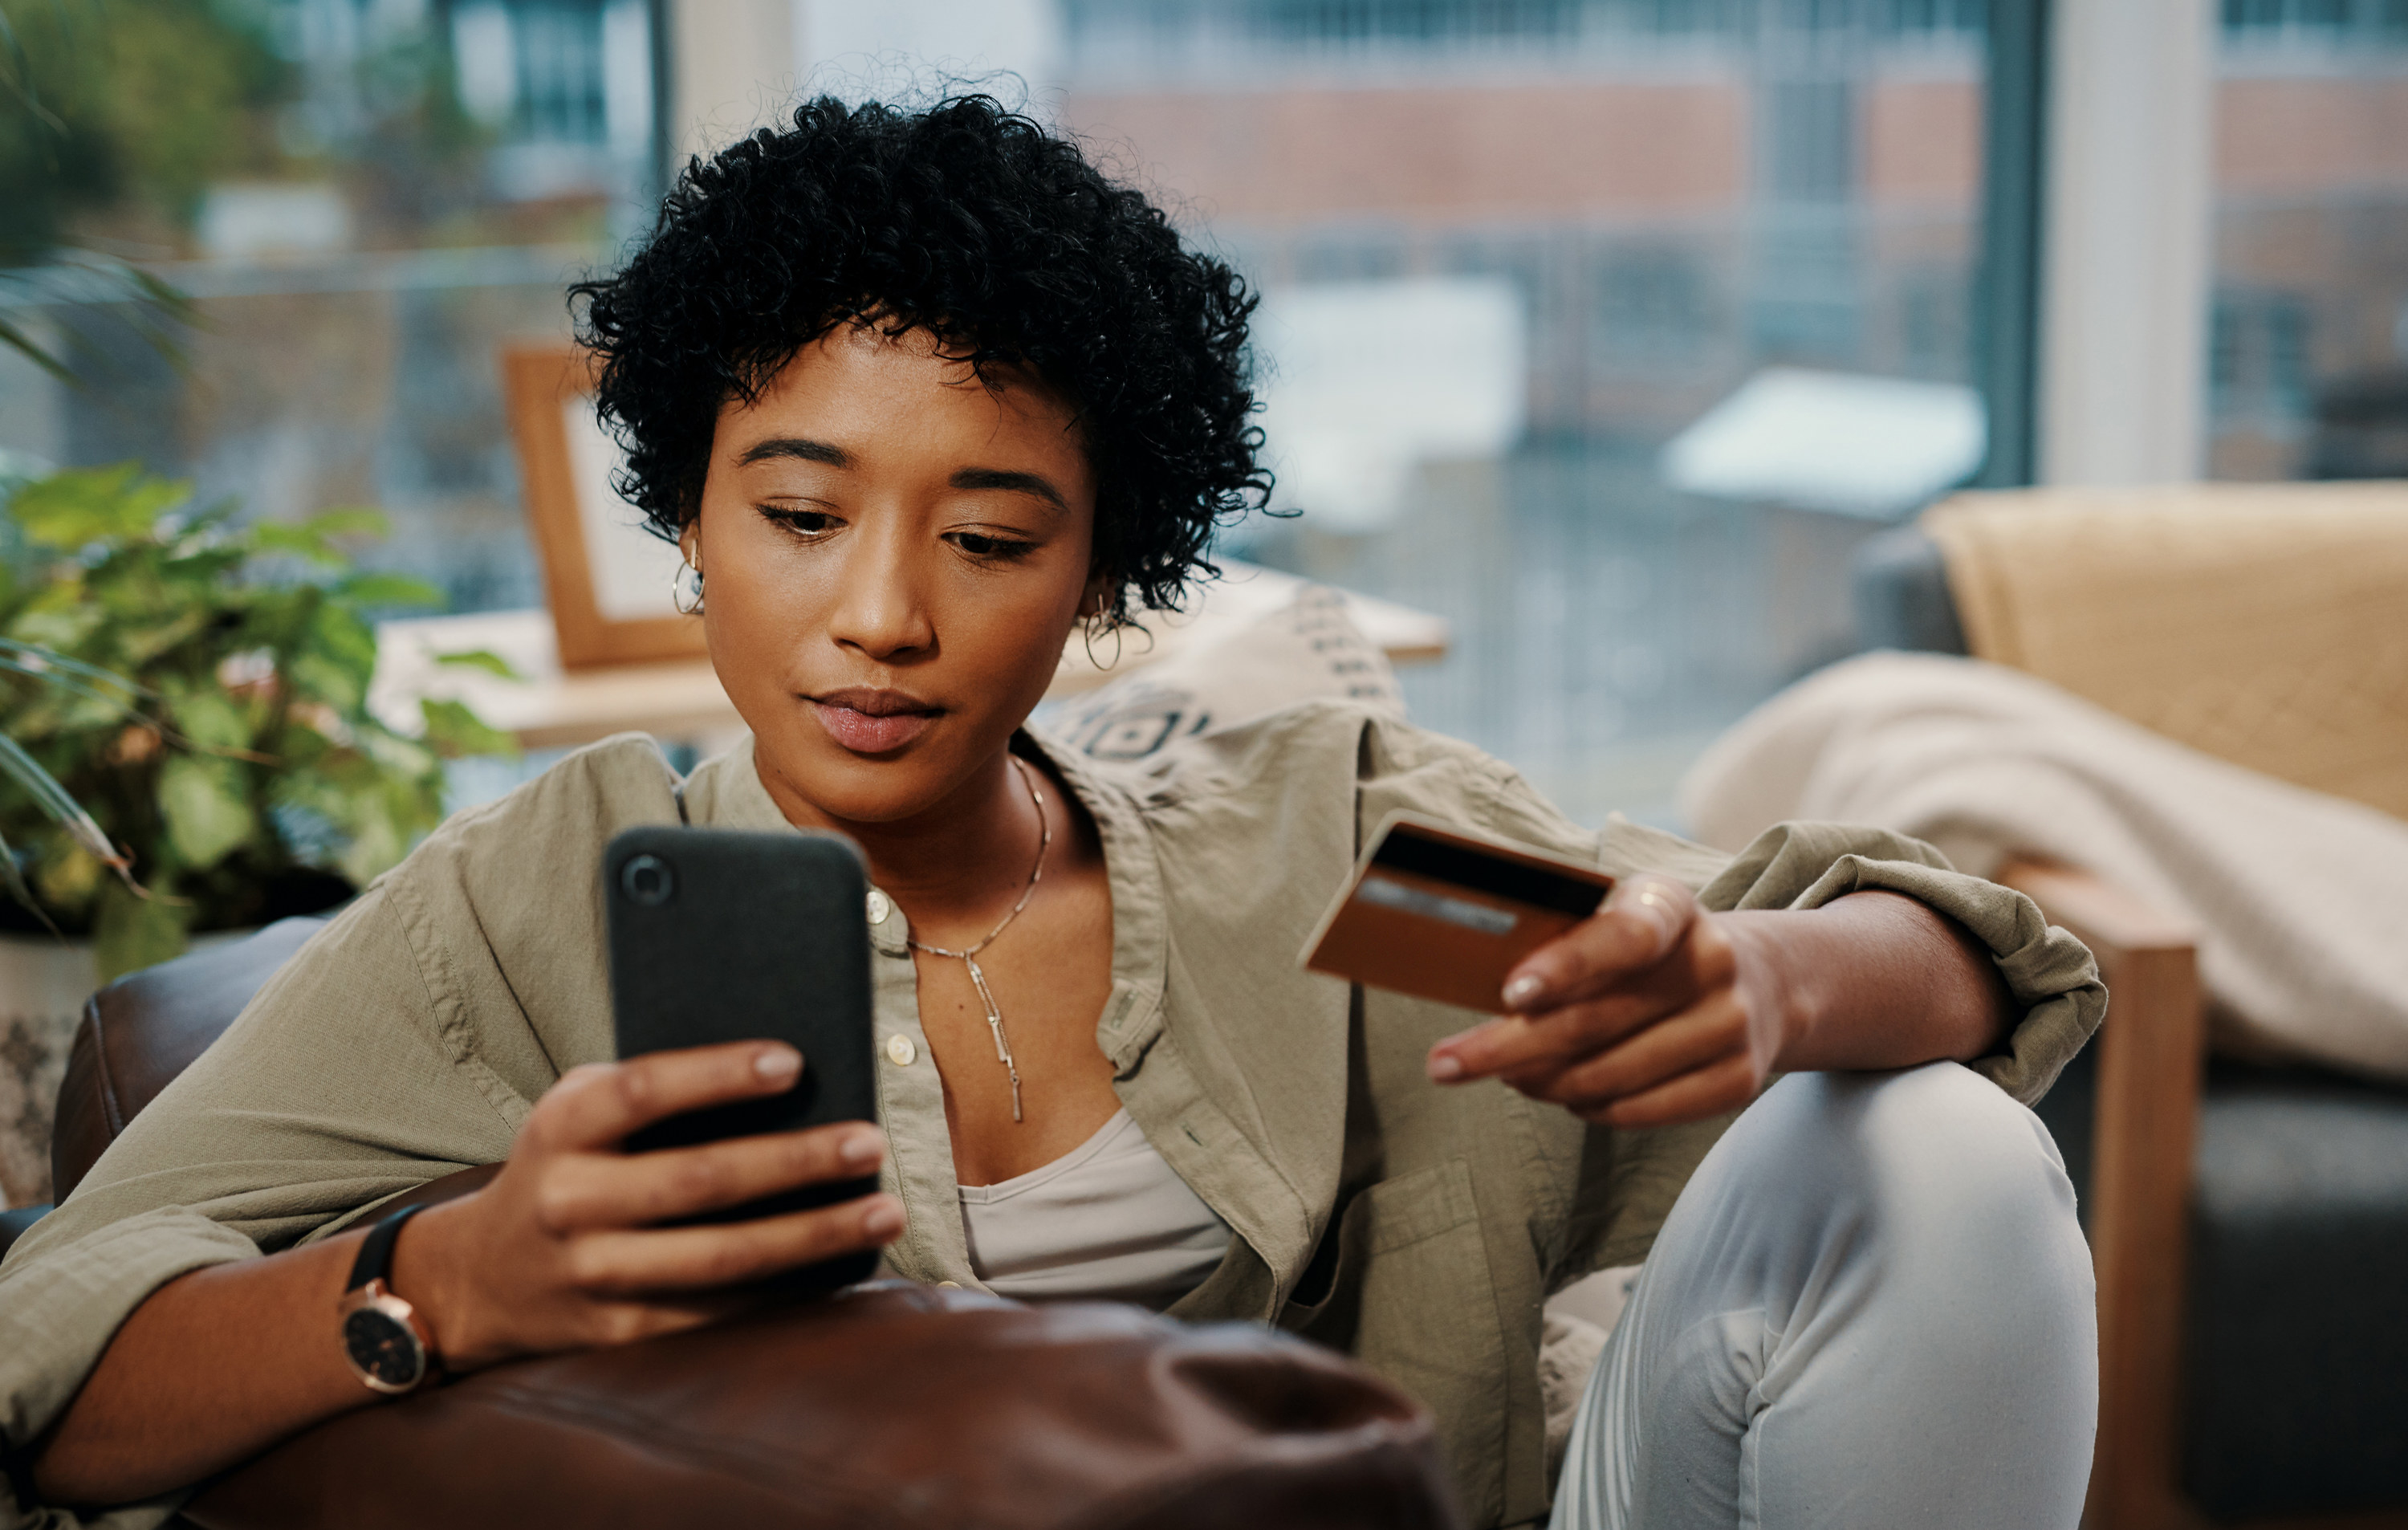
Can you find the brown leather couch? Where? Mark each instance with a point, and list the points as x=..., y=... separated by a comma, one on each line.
x=889, y=1406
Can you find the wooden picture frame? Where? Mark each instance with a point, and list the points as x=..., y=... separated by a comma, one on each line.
x=597, y=577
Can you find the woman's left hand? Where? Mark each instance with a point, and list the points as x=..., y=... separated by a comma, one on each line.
x=1650, y=1011
x=1653, y=1012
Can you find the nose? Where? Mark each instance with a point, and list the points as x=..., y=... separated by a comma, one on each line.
x=881, y=609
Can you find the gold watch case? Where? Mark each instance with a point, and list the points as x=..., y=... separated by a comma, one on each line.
x=385, y=1344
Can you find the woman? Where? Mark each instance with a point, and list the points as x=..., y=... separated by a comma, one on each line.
x=918, y=395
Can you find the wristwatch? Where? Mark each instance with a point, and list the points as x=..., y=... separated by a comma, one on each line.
x=385, y=1341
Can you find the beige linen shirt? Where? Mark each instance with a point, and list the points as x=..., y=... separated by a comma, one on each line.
x=1416, y=1228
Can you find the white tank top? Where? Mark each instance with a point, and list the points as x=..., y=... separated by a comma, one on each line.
x=1109, y=1221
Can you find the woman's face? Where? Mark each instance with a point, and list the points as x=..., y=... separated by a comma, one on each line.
x=893, y=555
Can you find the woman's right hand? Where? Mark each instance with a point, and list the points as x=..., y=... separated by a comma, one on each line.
x=560, y=1250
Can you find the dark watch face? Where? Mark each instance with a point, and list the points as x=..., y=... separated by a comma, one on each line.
x=382, y=1347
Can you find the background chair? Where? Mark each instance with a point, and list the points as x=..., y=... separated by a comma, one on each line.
x=2249, y=1225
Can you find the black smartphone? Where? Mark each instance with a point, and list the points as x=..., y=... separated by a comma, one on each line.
x=718, y=936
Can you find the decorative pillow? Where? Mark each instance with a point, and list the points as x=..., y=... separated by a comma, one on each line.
x=1306, y=651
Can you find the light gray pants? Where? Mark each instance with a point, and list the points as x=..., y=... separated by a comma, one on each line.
x=1871, y=1309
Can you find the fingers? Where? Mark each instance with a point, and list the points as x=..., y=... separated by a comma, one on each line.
x=601, y=1103
x=629, y=1263
x=1695, y=1041
x=582, y=1190
x=1513, y=1043
x=1728, y=1085
x=1643, y=921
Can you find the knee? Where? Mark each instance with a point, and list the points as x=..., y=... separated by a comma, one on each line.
x=1943, y=1131
x=1937, y=1167
x=1958, y=1177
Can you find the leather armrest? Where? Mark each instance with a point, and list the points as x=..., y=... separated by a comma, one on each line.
x=890, y=1406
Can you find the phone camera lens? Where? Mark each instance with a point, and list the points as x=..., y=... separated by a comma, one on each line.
x=647, y=880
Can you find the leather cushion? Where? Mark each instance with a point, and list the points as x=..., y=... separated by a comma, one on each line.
x=2299, y=1261
x=142, y=1030
x=2291, y=1395
x=891, y=1405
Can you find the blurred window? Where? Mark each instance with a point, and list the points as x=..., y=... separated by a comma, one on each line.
x=366, y=198
x=1724, y=225
x=1529, y=264
x=2308, y=356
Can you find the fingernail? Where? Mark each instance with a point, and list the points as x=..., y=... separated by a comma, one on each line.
x=1445, y=1067
x=778, y=1062
x=1522, y=990
x=884, y=1219
x=862, y=1148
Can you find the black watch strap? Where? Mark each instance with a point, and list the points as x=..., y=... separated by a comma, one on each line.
x=375, y=1261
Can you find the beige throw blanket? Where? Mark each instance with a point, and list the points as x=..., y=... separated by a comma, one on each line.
x=2301, y=898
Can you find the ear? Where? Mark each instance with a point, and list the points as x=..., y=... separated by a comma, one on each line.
x=690, y=543
x=1102, y=594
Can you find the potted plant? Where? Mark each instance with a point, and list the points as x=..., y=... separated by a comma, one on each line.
x=185, y=741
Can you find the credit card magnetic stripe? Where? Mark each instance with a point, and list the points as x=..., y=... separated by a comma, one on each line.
x=1414, y=900
x=1402, y=850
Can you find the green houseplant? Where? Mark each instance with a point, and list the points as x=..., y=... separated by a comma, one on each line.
x=199, y=687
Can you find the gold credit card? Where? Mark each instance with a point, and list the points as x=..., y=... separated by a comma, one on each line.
x=1441, y=914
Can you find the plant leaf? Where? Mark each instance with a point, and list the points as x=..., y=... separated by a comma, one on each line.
x=17, y=888
x=376, y=848
x=452, y=730
x=376, y=589
x=338, y=656
x=49, y=672
x=481, y=658
x=350, y=521
x=21, y=341
x=210, y=719
x=75, y=508
x=52, y=659
x=207, y=812
x=300, y=541
x=133, y=933
x=56, y=801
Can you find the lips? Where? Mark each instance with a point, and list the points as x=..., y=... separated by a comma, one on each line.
x=870, y=722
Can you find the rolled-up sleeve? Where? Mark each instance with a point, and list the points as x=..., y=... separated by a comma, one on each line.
x=332, y=1092
x=2049, y=972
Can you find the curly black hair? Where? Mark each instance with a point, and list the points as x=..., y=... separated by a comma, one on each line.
x=983, y=227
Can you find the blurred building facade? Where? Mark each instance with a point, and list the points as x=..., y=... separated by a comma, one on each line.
x=1681, y=191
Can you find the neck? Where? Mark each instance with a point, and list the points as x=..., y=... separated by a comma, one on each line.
x=962, y=859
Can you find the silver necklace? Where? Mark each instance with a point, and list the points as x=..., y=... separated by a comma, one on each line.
x=968, y=956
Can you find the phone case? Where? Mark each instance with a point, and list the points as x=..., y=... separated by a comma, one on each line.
x=722, y=935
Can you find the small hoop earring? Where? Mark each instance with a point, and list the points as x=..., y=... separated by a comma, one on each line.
x=1088, y=634
x=677, y=597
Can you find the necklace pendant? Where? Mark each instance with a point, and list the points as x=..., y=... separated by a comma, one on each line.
x=994, y=1028
x=968, y=956
x=994, y=1014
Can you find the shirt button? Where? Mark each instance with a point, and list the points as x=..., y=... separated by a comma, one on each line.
x=879, y=906
x=900, y=1052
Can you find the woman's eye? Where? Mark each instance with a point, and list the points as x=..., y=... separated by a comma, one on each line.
x=805, y=522
x=980, y=545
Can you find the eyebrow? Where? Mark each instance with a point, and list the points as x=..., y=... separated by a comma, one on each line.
x=1003, y=480
x=1012, y=482
x=795, y=446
